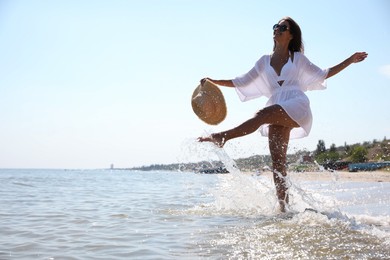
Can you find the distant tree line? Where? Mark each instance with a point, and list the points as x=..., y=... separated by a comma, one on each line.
x=374, y=151
x=357, y=153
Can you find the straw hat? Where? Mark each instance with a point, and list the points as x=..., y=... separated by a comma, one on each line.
x=208, y=103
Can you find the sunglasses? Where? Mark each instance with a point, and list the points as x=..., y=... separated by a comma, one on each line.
x=282, y=28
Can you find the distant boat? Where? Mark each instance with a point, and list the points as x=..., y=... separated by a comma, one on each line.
x=337, y=166
x=371, y=166
x=219, y=170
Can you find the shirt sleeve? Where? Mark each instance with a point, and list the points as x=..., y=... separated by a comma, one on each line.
x=253, y=84
x=311, y=77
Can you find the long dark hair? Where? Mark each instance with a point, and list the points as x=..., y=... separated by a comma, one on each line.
x=296, y=43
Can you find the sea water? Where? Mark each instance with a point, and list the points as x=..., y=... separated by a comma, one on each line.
x=122, y=214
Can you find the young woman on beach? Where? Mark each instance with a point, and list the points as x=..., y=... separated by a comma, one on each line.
x=283, y=77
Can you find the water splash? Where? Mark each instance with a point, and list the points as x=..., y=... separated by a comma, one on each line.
x=241, y=193
x=250, y=194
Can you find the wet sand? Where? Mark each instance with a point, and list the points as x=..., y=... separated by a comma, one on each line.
x=372, y=176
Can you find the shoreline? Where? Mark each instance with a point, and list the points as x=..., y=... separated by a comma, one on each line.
x=371, y=176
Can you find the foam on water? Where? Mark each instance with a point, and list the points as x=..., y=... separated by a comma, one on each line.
x=306, y=235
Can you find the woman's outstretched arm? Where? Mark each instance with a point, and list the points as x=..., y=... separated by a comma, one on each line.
x=225, y=83
x=356, y=57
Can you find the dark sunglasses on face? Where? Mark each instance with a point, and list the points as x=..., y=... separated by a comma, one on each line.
x=282, y=28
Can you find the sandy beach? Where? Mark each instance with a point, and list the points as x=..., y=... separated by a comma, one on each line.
x=372, y=176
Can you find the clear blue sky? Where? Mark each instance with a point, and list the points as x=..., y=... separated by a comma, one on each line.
x=84, y=84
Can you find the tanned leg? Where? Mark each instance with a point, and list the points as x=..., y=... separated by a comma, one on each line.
x=274, y=115
x=278, y=143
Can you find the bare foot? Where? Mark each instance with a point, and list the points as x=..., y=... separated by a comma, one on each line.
x=217, y=139
x=282, y=205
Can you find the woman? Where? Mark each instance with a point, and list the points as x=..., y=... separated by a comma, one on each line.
x=283, y=77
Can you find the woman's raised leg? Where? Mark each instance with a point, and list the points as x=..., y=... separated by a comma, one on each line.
x=273, y=115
